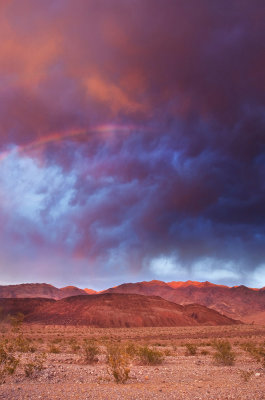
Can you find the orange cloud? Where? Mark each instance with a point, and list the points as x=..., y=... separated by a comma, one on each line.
x=112, y=95
x=27, y=61
x=26, y=58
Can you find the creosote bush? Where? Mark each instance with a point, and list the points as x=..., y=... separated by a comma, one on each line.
x=54, y=349
x=23, y=345
x=131, y=350
x=90, y=351
x=8, y=363
x=74, y=345
x=167, y=352
x=149, y=356
x=191, y=349
x=256, y=351
x=224, y=354
x=34, y=366
x=118, y=363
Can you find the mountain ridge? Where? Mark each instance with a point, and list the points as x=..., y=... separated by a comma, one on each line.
x=236, y=302
x=44, y=290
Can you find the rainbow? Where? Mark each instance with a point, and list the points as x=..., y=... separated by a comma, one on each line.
x=106, y=132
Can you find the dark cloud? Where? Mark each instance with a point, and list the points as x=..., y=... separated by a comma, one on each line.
x=138, y=131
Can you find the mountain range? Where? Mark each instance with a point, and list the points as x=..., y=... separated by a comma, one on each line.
x=237, y=302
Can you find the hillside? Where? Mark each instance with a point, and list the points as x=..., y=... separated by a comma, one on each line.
x=32, y=290
x=112, y=310
x=238, y=302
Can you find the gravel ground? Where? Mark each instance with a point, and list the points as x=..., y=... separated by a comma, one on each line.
x=65, y=376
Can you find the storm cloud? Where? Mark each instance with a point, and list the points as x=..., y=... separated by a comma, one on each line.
x=132, y=141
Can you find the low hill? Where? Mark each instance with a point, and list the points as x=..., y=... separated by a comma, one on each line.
x=113, y=310
x=32, y=290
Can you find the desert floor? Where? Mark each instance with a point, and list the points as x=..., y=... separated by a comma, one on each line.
x=54, y=359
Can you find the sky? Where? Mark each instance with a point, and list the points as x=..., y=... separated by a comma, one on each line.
x=132, y=141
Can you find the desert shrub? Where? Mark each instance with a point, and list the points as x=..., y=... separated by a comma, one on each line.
x=34, y=366
x=90, y=351
x=250, y=347
x=118, y=363
x=149, y=356
x=167, y=352
x=204, y=352
x=8, y=363
x=16, y=320
x=223, y=354
x=54, y=349
x=23, y=345
x=191, y=349
x=131, y=350
x=74, y=345
x=257, y=352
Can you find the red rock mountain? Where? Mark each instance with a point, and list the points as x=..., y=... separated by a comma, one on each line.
x=90, y=291
x=238, y=302
x=39, y=290
x=113, y=310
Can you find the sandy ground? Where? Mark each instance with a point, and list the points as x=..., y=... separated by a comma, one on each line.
x=180, y=376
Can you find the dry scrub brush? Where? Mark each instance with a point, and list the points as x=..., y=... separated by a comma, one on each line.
x=74, y=346
x=23, y=345
x=54, y=349
x=35, y=365
x=191, y=349
x=90, y=351
x=256, y=351
x=149, y=356
x=223, y=354
x=8, y=363
x=118, y=363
